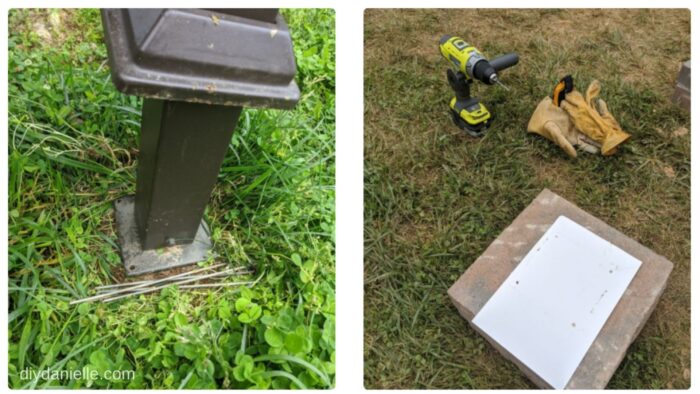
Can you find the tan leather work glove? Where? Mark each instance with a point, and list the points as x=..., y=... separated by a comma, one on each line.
x=591, y=116
x=554, y=123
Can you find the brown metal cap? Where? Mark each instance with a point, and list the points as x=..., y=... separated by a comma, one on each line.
x=204, y=56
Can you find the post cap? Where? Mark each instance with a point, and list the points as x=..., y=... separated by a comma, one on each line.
x=222, y=57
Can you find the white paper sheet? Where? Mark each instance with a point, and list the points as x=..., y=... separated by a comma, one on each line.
x=549, y=310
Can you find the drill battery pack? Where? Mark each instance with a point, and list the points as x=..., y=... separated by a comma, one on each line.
x=470, y=115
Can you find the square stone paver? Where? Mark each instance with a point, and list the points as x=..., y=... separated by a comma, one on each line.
x=478, y=283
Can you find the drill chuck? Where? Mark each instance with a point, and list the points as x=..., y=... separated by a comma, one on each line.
x=488, y=73
x=484, y=72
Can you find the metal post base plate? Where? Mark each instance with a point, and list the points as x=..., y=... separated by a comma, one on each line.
x=138, y=261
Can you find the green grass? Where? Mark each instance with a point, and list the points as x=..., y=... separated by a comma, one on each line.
x=73, y=149
x=435, y=197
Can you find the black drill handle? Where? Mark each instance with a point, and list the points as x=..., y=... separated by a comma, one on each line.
x=505, y=61
x=459, y=83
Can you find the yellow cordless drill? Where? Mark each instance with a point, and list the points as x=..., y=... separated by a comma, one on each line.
x=468, y=112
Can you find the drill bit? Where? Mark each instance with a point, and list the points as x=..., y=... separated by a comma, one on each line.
x=494, y=79
x=502, y=85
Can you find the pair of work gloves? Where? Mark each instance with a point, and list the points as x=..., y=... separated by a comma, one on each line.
x=578, y=121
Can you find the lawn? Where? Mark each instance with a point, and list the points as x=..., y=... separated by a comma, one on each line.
x=435, y=197
x=73, y=149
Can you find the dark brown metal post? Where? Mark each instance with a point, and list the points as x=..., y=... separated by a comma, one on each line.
x=195, y=69
x=181, y=150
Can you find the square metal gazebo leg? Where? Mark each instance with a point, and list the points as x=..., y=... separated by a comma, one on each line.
x=182, y=146
x=178, y=60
